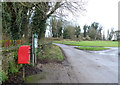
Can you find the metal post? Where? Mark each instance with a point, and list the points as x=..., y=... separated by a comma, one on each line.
x=35, y=58
x=33, y=49
x=23, y=72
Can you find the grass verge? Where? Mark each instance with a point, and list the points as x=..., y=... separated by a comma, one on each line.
x=90, y=43
x=92, y=48
x=53, y=54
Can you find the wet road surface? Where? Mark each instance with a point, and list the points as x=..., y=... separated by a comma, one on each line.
x=93, y=66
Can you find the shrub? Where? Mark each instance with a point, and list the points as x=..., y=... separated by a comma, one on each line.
x=12, y=69
x=16, y=56
x=3, y=77
x=88, y=38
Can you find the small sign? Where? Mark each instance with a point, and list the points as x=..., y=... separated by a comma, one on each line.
x=36, y=42
x=34, y=48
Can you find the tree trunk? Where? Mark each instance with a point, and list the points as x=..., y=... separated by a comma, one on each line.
x=77, y=36
x=41, y=34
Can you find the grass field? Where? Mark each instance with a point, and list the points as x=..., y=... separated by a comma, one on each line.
x=92, y=48
x=90, y=43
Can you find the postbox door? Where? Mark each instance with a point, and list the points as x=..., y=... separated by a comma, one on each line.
x=24, y=55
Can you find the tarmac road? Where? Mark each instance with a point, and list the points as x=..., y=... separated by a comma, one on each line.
x=93, y=66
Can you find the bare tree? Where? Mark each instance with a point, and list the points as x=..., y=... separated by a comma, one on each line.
x=42, y=11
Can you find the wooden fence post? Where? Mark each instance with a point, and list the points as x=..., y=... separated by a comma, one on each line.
x=13, y=42
x=2, y=43
x=7, y=43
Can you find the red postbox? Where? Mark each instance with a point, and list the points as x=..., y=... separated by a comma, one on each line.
x=24, y=55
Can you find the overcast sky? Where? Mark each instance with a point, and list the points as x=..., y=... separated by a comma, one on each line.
x=104, y=12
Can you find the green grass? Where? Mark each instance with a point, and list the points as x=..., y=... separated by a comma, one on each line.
x=54, y=53
x=90, y=43
x=92, y=48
